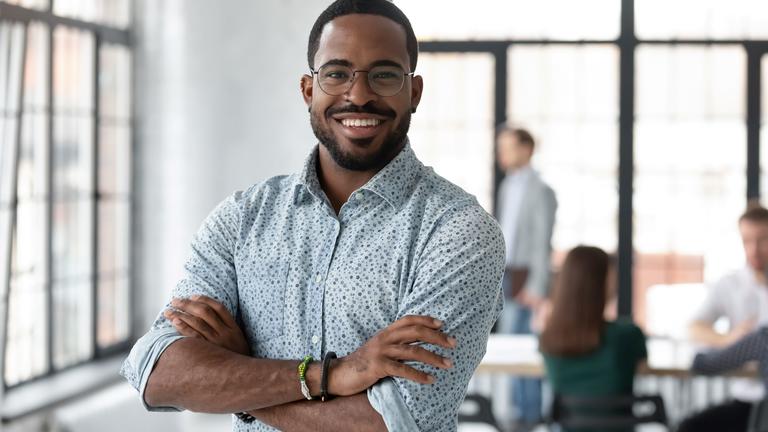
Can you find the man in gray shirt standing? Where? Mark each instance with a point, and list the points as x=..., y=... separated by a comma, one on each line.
x=365, y=255
x=526, y=209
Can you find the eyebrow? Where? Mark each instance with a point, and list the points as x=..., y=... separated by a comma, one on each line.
x=347, y=63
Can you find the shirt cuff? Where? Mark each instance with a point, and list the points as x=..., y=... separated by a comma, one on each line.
x=387, y=401
x=140, y=362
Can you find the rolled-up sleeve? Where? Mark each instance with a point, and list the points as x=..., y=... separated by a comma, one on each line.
x=459, y=282
x=210, y=271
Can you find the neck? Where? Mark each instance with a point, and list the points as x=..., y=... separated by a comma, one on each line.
x=337, y=182
x=760, y=276
x=518, y=168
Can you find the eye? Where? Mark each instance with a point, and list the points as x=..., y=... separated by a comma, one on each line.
x=385, y=75
x=335, y=75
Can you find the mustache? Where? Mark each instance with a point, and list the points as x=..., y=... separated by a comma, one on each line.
x=368, y=108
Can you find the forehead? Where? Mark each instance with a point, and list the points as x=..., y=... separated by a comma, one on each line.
x=753, y=227
x=362, y=39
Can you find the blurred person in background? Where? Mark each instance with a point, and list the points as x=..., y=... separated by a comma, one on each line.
x=731, y=416
x=586, y=354
x=525, y=208
x=741, y=297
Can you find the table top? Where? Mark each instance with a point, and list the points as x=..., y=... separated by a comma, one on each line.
x=519, y=355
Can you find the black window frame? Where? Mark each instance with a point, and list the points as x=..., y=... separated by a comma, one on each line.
x=102, y=34
x=626, y=43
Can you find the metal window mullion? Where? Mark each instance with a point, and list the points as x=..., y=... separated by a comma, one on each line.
x=96, y=196
x=499, y=111
x=50, y=193
x=14, y=192
x=627, y=46
x=754, y=60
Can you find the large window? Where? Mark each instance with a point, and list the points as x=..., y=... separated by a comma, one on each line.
x=65, y=175
x=646, y=116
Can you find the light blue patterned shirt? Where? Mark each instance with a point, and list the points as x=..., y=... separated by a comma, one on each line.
x=303, y=280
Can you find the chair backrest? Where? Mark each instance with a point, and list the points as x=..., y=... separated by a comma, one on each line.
x=480, y=409
x=607, y=412
x=758, y=417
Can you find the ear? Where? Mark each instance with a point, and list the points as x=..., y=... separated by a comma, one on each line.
x=307, y=86
x=417, y=85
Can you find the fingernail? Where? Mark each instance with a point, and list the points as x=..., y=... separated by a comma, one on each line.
x=177, y=322
x=195, y=297
x=430, y=379
x=175, y=302
x=438, y=322
x=452, y=341
x=447, y=363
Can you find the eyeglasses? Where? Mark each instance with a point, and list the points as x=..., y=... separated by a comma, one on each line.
x=336, y=80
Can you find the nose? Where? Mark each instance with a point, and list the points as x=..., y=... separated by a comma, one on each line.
x=360, y=93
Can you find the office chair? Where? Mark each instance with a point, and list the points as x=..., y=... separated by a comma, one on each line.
x=482, y=413
x=572, y=412
x=758, y=417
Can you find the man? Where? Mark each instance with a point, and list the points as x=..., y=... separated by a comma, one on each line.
x=365, y=253
x=742, y=298
x=526, y=209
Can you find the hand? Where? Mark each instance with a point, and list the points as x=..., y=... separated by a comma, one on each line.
x=528, y=299
x=383, y=354
x=203, y=317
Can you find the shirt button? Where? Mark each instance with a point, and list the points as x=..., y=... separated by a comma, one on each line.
x=359, y=196
x=315, y=339
x=319, y=278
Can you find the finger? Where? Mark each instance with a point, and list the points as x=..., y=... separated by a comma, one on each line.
x=397, y=369
x=196, y=324
x=221, y=310
x=199, y=310
x=184, y=329
x=423, y=320
x=419, y=354
x=417, y=333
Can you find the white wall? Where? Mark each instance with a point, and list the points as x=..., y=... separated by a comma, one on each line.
x=219, y=109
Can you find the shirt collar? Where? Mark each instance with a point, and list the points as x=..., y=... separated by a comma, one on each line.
x=393, y=183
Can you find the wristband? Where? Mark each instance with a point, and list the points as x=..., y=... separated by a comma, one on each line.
x=245, y=417
x=324, y=396
x=303, y=377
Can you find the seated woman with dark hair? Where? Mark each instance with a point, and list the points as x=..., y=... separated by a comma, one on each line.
x=731, y=416
x=585, y=354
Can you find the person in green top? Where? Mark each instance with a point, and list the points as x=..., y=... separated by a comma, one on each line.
x=585, y=354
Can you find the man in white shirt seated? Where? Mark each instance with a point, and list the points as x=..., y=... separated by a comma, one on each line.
x=741, y=297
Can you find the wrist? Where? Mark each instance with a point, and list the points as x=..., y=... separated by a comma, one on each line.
x=314, y=370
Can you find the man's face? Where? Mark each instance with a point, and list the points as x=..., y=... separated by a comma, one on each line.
x=510, y=153
x=361, y=130
x=754, y=235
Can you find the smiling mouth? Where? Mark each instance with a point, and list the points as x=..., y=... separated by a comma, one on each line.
x=360, y=123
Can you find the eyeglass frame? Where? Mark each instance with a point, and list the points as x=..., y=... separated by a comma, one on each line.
x=351, y=81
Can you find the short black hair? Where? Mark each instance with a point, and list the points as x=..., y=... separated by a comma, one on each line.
x=383, y=8
x=524, y=137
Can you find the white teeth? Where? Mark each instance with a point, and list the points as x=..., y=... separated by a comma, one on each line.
x=370, y=122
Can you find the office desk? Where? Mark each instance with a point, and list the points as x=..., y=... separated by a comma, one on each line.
x=518, y=355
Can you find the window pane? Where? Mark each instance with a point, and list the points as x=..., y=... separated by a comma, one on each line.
x=26, y=350
x=72, y=321
x=689, y=191
x=567, y=97
x=115, y=13
x=115, y=82
x=72, y=239
x=114, y=310
x=115, y=160
x=32, y=4
x=11, y=46
x=114, y=236
x=696, y=19
x=514, y=19
x=453, y=128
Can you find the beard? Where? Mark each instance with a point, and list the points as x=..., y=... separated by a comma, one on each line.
x=393, y=142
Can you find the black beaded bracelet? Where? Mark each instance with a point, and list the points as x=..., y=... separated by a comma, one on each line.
x=324, y=396
x=245, y=417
